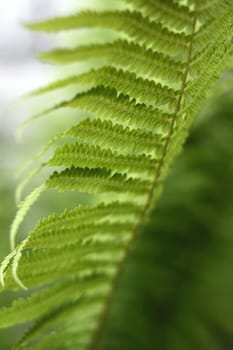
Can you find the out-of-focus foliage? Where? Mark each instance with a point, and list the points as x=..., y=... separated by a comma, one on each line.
x=7, y=210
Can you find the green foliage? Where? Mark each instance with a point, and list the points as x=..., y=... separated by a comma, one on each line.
x=176, y=290
x=139, y=104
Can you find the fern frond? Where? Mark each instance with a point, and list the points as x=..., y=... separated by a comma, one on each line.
x=23, y=210
x=95, y=181
x=37, y=305
x=140, y=100
x=88, y=311
x=131, y=23
x=168, y=13
x=85, y=214
x=93, y=157
x=127, y=82
x=105, y=232
x=106, y=104
x=42, y=266
x=123, y=54
x=213, y=30
x=118, y=137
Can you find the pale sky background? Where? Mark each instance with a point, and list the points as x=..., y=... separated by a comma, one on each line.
x=18, y=67
x=20, y=72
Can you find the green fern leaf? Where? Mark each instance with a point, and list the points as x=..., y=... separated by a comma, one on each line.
x=139, y=97
x=95, y=181
x=93, y=156
x=121, y=54
x=131, y=23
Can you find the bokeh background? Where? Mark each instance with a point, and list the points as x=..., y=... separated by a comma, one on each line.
x=20, y=73
x=198, y=195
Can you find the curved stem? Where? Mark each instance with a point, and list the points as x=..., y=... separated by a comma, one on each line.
x=150, y=197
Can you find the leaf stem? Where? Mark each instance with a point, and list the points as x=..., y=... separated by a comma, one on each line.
x=147, y=206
